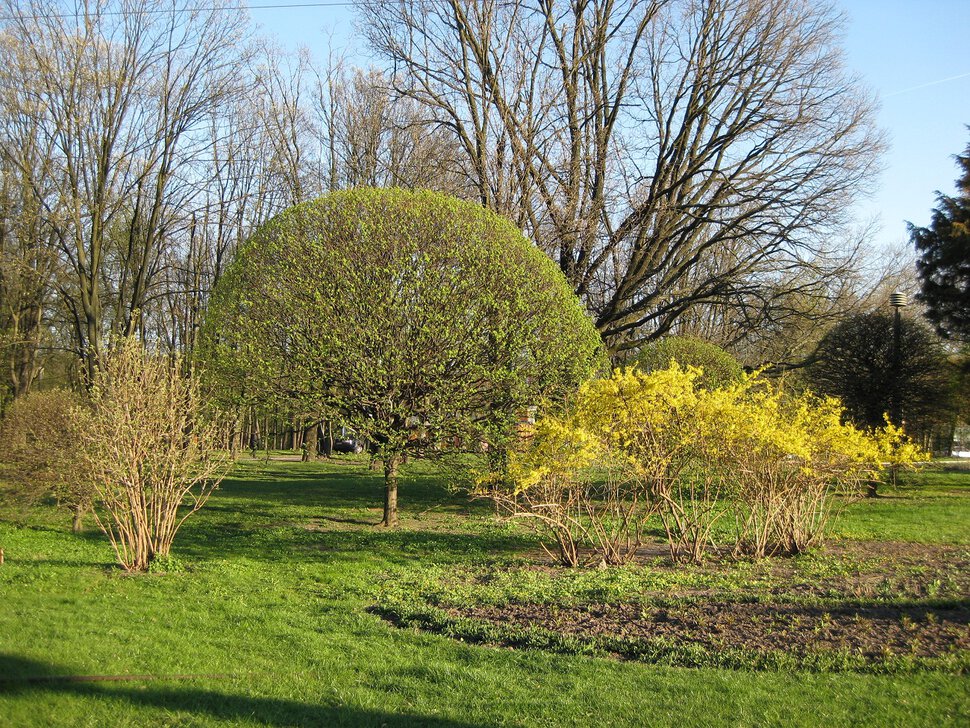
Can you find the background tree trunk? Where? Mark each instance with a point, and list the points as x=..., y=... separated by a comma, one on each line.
x=310, y=451
x=77, y=514
x=391, y=464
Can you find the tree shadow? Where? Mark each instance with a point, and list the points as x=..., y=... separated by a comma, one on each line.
x=341, y=539
x=24, y=677
x=311, y=514
x=350, y=521
x=312, y=484
x=102, y=564
x=305, y=508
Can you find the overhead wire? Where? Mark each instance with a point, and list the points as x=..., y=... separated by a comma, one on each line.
x=194, y=8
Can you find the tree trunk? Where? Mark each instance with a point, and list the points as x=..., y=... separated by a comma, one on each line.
x=77, y=512
x=327, y=438
x=391, y=463
x=310, y=442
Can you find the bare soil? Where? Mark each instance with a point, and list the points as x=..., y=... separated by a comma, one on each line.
x=873, y=599
x=871, y=631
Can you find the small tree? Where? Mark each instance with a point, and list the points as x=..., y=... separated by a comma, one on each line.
x=149, y=450
x=718, y=368
x=39, y=434
x=423, y=323
x=856, y=363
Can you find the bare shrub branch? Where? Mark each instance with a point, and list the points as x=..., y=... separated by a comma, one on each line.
x=150, y=451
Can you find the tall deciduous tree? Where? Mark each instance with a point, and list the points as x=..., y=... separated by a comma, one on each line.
x=120, y=93
x=373, y=139
x=944, y=258
x=421, y=322
x=28, y=264
x=667, y=154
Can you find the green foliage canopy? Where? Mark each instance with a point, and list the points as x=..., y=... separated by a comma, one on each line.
x=719, y=368
x=944, y=259
x=411, y=317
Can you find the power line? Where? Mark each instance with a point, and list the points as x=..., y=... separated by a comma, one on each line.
x=196, y=8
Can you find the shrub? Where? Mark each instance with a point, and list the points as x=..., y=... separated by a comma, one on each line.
x=790, y=454
x=548, y=484
x=634, y=445
x=639, y=443
x=40, y=437
x=718, y=368
x=149, y=449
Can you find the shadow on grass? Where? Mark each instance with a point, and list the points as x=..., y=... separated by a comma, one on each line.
x=102, y=564
x=306, y=512
x=23, y=677
x=295, y=512
x=316, y=486
x=286, y=543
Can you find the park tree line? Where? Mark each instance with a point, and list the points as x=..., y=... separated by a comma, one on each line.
x=688, y=166
x=142, y=142
x=177, y=196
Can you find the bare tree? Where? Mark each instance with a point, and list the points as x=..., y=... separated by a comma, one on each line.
x=28, y=252
x=148, y=448
x=376, y=140
x=27, y=270
x=778, y=320
x=282, y=110
x=240, y=185
x=666, y=153
x=118, y=90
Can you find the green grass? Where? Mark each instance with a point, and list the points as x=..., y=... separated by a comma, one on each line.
x=279, y=571
x=929, y=506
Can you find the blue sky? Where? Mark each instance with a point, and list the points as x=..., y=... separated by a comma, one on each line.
x=914, y=55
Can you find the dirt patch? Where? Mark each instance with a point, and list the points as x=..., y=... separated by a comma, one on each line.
x=852, y=570
x=881, y=569
x=874, y=632
x=871, y=600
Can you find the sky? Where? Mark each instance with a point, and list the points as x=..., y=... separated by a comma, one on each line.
x=916, y=57
x=913, y=55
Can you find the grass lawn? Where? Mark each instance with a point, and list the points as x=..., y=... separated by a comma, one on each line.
x=927, y=506
x=266, y=609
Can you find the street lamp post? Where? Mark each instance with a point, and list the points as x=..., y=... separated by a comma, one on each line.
x=897, y=301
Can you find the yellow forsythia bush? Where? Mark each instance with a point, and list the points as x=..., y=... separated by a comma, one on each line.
x=636, y=444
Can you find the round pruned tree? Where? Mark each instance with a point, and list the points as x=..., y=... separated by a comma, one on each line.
x=856, y=363
x=424, y=323
x=720, y=368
